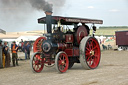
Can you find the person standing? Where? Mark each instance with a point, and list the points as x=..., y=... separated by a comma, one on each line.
x=22, y=45
x=27, y=50
x=14, y=49
x=7, y=54
x=1, y=56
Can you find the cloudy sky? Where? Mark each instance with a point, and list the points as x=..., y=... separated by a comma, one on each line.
x=23, y=17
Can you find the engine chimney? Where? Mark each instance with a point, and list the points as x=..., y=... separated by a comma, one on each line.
x=49, y=21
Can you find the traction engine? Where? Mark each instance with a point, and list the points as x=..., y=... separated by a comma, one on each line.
x=64, y=47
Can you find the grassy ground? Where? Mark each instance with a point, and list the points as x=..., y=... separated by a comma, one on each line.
x=108, y=31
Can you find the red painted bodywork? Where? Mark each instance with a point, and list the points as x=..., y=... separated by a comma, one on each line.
x=121, y=37
x=76, y=51
x=69, y=38
x=72, y=52
x=63, y=46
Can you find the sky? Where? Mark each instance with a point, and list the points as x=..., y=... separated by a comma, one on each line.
x=23, y=17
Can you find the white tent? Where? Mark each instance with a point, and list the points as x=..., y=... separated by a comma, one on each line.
x=26, y=38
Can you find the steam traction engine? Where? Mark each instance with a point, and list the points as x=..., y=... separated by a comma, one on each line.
x=64, y=47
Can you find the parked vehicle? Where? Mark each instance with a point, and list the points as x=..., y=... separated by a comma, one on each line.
x=122, y=39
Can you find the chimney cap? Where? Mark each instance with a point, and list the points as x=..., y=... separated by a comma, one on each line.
x=48, y=12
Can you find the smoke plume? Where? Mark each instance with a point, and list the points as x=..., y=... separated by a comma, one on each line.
x=41, y=5
x=37, y=4
x=17, y=14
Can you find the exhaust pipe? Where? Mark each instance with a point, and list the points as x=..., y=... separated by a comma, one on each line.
x=49, y=21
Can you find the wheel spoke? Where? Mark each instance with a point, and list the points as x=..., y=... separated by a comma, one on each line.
x=38, y=67
x=87, y=49
x=94, y=61
x=91, y=44
x=89, y=62
x=65, y=60
x=94, y=47
x=62, y=68
x=88, y=58
x=65, y=64
x=60, y=62
x=87, y=54
x=63, y=57
x=60, y=58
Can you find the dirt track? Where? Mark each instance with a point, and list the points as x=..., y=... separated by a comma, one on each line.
x=113, y=70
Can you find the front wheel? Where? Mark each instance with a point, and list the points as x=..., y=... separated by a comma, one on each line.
x=61, y=62
x=36, y=62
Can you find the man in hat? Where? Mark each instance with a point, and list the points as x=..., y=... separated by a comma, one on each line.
x=7, y=54
x=14, y=49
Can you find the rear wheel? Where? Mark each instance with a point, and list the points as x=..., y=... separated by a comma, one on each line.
x=61, y=62
x=89, y=53
x=37, y=63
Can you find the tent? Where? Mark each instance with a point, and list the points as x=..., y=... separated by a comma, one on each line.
x=26, y=38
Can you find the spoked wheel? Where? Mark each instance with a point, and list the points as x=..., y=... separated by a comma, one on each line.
x=37, y=63
x=37, y=44
x=61, y=62
x=89, y=53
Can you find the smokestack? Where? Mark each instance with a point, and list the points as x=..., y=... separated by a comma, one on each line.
x=49, y=21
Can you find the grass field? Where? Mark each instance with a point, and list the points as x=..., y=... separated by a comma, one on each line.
x=109, y=30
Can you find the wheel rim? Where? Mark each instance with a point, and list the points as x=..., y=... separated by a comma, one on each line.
x=38, y=43
x=63, y=62
x=92, y=53
x=37, y=63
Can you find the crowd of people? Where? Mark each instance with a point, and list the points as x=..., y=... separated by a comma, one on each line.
x=6, y=58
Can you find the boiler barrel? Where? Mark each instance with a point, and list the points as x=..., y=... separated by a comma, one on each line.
x=49, y=47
